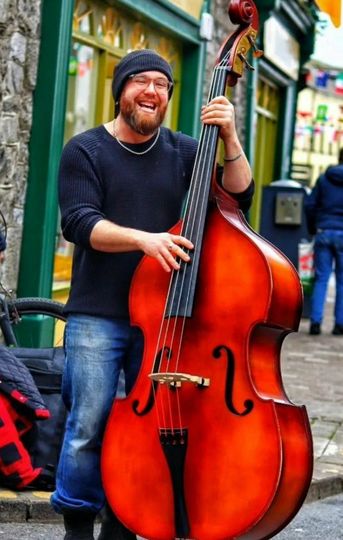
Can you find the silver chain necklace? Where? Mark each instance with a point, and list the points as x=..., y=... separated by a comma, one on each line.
x=129, y=149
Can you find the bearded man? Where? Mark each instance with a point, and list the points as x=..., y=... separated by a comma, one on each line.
x=121, y=188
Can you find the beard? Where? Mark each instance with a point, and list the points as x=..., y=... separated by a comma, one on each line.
x=138, y=120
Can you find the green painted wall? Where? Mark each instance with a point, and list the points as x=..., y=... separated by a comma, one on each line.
x=40, y=217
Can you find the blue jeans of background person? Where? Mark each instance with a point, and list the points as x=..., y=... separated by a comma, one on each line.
x=96, y=351
x=328, y=253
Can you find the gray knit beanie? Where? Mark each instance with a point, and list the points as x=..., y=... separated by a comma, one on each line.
x=136, y=62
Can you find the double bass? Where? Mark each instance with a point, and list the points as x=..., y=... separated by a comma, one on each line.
x=207, y=445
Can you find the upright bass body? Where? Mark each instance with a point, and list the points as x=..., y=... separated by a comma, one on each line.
x=207, y=445
x=247, y=451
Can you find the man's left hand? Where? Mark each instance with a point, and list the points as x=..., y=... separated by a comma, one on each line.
x=220, y=112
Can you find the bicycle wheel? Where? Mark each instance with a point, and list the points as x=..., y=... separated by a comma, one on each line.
x=36, y=322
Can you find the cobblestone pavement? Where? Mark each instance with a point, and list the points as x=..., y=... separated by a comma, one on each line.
x=312, y=373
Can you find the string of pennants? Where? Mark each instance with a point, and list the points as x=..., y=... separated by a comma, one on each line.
x=327, y=80
x=332, y=133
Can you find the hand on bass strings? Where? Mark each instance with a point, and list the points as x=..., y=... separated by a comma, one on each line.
x=165, y=247
x=220, y=112
x=237, y=172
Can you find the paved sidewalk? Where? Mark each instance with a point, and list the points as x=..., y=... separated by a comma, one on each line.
x=312, y=373
x=312, y=370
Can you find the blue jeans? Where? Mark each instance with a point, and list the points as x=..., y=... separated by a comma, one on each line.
x=97, y=349
x=328, y=253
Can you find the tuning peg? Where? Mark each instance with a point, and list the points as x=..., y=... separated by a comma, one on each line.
x=257, y=52
x=245, y=61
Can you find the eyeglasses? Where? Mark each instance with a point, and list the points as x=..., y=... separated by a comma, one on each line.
x=161, y=85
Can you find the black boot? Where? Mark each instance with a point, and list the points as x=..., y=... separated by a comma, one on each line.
x=338, y=330
x=315, y=329
x=112, y=528
x=79, y=525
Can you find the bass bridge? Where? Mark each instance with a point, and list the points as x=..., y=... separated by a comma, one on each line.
x=175, y=380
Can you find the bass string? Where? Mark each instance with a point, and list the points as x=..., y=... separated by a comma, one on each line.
x=195, y=193
x=206, y=141
x=170, y=330
x=202, y=172
x=202, y=169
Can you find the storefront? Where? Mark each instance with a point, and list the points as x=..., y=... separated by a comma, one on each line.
x=80, y=44
x=284, y=25
x=319, y=123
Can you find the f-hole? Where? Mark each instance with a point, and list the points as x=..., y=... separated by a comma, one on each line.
x=153, y=388
x=218, y=352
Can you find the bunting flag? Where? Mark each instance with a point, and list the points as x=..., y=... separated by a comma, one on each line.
x=339, y=84
x=332, y=8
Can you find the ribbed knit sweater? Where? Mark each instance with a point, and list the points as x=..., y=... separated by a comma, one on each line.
x=98, y=179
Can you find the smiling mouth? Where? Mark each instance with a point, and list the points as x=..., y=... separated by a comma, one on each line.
x=147, y=107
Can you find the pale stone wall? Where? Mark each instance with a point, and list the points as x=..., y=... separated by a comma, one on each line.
x=222, y=29
x=19, y=49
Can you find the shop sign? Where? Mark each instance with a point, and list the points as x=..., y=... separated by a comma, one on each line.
x=281, y=48
x=322, y=112
x=192, y=7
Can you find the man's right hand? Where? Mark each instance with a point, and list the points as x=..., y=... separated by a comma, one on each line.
x=165, y=247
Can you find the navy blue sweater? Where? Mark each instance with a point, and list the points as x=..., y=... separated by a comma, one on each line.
x=98, y=179
x=324, y=207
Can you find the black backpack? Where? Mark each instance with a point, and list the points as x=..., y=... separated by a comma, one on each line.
x=44, y=441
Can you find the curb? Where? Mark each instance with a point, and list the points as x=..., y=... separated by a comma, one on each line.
x=326, y=487
x=24, y=506
x=34, y=506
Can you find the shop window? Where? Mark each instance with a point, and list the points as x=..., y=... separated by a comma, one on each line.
x=193, y=7
x=81, y=89
x=81, y=102
x=267, y=114
x=83, y=17
x=318, y=132
x=268, y=99
x=139, y=37
x=110, y=28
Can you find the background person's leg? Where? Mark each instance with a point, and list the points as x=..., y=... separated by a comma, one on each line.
x=323, y=261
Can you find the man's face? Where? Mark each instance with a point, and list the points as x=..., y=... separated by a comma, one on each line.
x=144, y=101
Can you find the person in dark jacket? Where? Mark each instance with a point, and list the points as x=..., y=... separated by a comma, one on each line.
x=324, y=213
